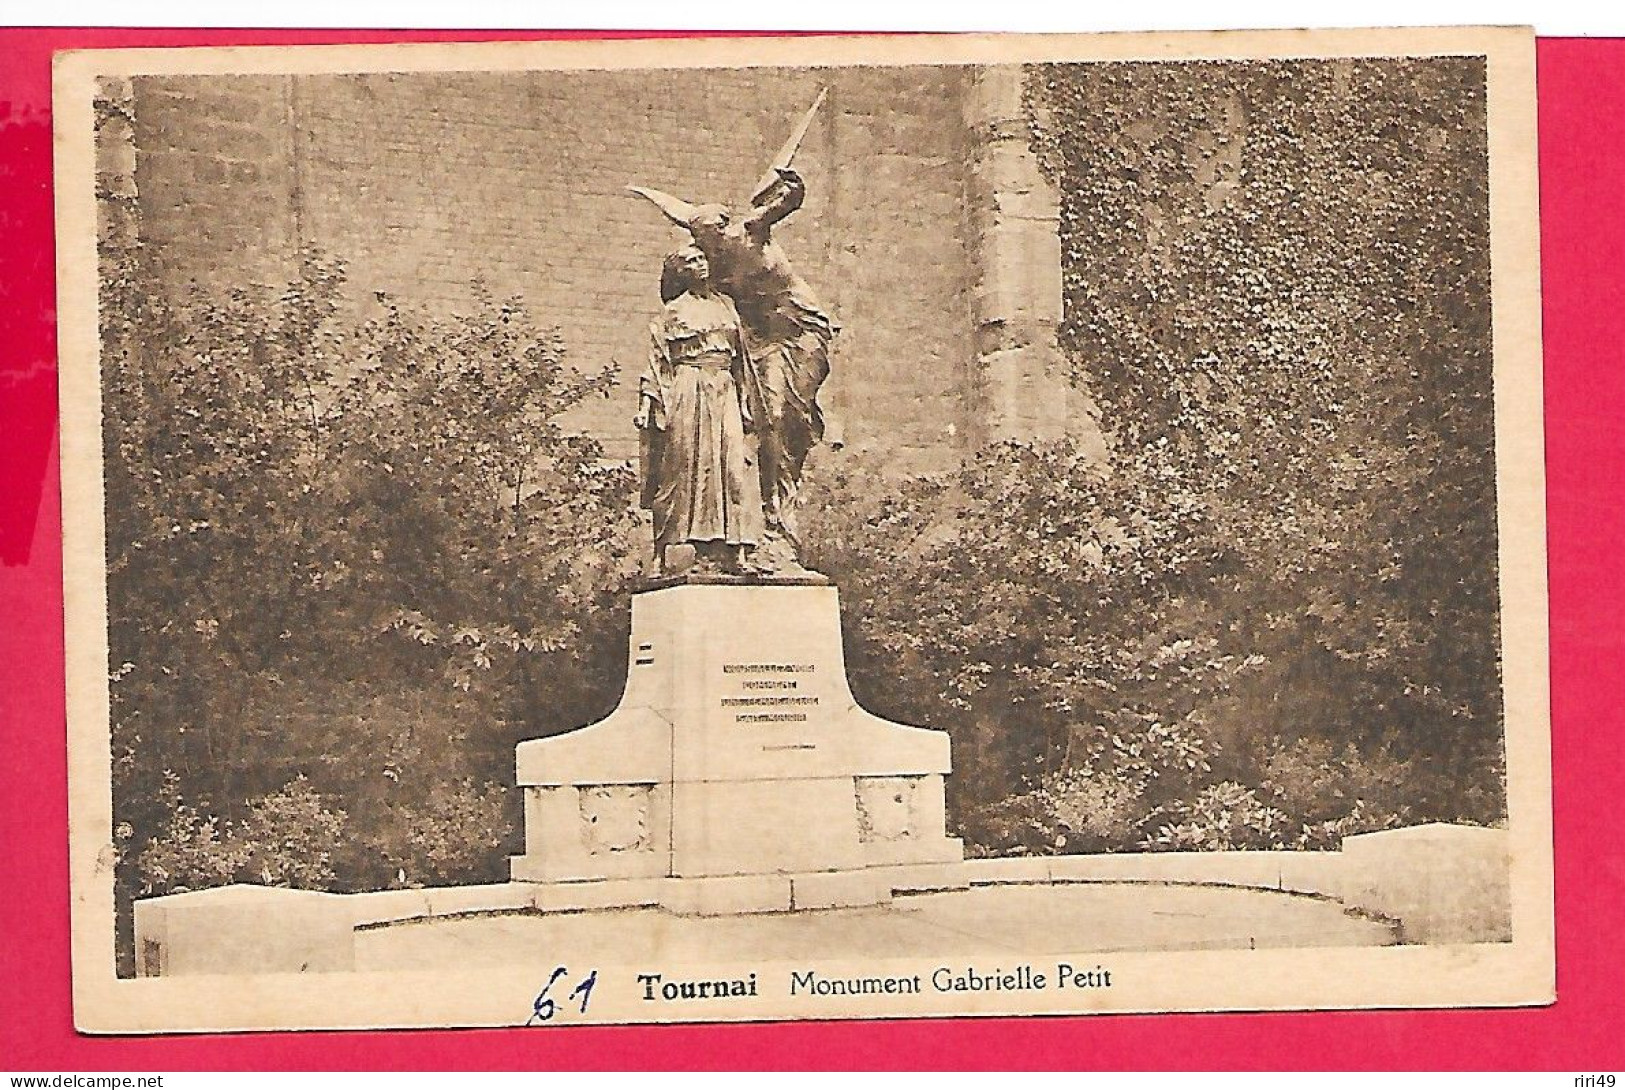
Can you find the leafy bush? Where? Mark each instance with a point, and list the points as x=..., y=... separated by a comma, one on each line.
x=1224, y=817
x=1315, y=781
x=287, y=838
x=290, y=838
x=455, y=834
x=188, y=851
x=1328, y=835
x=1276, y=285
x=1068, y=812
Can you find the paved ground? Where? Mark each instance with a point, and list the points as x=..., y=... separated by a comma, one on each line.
x=1025, y=919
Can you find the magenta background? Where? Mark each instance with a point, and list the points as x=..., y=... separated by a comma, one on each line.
x=1582, y=176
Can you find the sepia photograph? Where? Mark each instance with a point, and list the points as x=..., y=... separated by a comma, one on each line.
x=846, y=527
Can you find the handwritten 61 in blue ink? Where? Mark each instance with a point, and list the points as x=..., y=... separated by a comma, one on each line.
x=543, y=1009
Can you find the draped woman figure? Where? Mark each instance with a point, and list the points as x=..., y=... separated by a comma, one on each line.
x=697, y=404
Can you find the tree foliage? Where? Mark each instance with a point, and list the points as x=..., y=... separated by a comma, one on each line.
x=1276, y=283
x=353, y=554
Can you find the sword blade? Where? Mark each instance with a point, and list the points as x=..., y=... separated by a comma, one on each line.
x=787, y=153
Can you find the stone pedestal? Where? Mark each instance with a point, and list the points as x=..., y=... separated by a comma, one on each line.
x=737, y=774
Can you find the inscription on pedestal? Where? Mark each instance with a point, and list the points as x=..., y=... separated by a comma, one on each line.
x=777, y=700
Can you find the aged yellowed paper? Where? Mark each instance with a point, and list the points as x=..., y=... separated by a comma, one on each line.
x=842, y=527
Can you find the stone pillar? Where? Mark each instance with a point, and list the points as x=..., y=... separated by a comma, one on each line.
x=1013, y=217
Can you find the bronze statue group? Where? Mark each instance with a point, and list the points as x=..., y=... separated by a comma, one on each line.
x=728, y=406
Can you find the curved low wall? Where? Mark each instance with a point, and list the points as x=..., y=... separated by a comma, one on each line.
x=1441, y=883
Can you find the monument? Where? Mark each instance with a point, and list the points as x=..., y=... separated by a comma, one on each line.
x=737, y=774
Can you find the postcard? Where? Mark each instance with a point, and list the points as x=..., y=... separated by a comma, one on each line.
x=729, y=529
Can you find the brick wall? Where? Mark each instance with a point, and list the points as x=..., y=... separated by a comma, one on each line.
x=424, y=182
x=214, y=175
